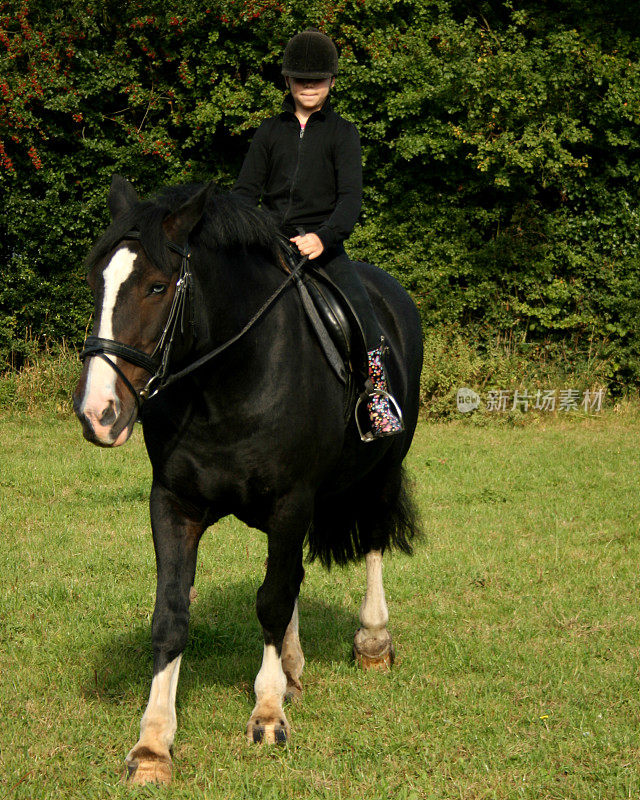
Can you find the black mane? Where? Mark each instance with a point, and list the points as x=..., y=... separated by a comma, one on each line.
x=227, y=224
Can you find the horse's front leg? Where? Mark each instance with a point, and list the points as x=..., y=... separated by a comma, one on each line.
x=175, y=538
x=276, y=603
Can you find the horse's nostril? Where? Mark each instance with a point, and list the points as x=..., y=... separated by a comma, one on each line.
x=109, y=414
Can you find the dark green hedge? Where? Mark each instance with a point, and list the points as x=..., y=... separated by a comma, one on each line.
x=501, y=145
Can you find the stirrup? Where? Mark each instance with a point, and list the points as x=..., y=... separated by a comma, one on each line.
x=366, y=396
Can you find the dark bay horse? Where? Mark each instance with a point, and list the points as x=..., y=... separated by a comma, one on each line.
x=257, y=431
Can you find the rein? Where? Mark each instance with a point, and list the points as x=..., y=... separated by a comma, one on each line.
x=157, y=364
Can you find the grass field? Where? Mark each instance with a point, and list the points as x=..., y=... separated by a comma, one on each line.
x=516, y=624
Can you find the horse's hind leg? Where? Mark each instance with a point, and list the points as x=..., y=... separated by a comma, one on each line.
x=275, y=606
x=176, y=540
x=372, y=646
x=386, y=517
x=292, y=659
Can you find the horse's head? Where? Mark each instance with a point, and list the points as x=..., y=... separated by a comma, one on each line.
x=133, y=297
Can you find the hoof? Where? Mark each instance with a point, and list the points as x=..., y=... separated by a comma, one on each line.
x=373, y=653
x=382, y=663
x=293, y=693
x=268, y=731
x=145, y=766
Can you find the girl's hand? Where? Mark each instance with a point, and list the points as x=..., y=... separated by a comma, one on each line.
x=308, y=245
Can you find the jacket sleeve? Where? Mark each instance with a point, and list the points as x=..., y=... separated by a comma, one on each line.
x=348, y=171
x=253, y=174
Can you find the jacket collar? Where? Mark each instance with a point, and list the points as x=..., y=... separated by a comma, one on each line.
x=288, y=107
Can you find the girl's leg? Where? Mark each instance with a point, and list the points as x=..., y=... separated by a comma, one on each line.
x=342, y=272
x=384, y=421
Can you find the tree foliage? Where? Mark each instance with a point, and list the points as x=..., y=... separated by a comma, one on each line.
x=500, y=144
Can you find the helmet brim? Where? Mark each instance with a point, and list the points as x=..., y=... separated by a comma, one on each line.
x=312, y=76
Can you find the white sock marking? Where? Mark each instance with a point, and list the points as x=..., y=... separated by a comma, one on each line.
x=159, y=722
x=271, y=680
x=374, y=613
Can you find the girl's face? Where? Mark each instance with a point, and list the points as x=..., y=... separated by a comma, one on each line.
x=308, y=94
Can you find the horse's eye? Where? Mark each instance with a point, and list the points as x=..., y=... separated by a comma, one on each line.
x=158, y=288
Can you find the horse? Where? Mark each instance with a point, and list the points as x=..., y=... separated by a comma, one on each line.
x=199, y=335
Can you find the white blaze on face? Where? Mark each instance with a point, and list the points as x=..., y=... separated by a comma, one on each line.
x=100, y=388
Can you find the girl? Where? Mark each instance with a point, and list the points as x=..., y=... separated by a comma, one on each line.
x=305, y=166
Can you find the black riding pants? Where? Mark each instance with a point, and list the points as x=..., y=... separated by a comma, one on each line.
x=343, y=273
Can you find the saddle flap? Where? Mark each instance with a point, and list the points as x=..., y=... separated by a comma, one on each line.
x=326, y=342
x=333, y=317
x=346, y=318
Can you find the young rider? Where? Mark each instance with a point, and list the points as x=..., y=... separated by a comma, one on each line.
x=305, y=166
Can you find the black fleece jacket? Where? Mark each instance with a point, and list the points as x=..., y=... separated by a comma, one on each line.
x=311, y=181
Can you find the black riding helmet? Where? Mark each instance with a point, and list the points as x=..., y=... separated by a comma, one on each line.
x=310, y=54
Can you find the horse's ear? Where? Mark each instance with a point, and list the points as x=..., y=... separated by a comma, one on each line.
x=179, y=225
x=122, y=196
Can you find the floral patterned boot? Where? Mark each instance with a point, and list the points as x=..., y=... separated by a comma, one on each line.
x=386, y=419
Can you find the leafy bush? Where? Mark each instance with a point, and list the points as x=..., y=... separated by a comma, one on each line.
x=45, y=382
x=500, y=143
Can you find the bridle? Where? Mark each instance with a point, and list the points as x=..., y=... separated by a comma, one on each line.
x=157, y=364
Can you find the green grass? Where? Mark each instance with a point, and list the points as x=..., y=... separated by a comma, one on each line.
x=516, y=624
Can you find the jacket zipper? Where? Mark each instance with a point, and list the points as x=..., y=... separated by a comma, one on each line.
x=295, y=175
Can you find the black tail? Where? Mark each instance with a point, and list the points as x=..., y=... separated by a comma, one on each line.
x=373, y=515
